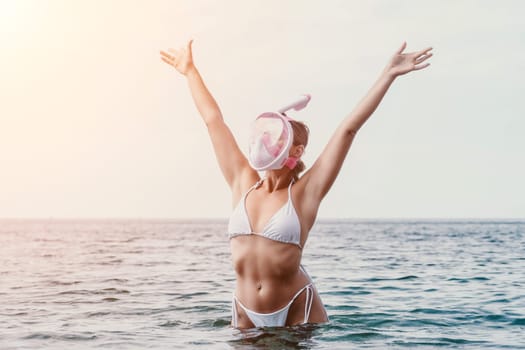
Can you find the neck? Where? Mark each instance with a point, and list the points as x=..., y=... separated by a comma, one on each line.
x=275, y=180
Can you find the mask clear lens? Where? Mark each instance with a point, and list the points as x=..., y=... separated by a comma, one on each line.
x=270, y=141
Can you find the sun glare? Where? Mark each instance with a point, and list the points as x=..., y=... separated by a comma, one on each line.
x=17, y=17
x=9, y=12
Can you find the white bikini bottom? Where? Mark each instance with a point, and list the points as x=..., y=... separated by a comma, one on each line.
x=276, y=318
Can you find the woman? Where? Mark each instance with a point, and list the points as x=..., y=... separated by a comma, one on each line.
x=273, y=215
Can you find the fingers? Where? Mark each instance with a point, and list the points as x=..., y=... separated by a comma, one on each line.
x=402, y=48
x=421, y=66
x=166, y=55
x=422, y=58
x=167, y=61
x=424, y=51
x=419, y=54
x=173, y=53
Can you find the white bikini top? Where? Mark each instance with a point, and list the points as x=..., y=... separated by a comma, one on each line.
x=284, y=226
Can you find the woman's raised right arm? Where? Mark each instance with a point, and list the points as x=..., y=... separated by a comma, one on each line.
x=229, y=156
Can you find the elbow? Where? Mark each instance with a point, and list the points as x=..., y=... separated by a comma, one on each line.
x=351, y=132
x=212, y=118
x=351, y=128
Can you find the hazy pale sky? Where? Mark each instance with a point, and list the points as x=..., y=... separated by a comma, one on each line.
x=94, y=124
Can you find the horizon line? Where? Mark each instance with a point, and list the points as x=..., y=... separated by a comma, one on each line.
x=140, y=218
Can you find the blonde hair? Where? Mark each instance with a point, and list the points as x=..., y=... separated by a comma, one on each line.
x=300, y=137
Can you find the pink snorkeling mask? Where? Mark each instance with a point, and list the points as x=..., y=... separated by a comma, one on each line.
x=272, y=138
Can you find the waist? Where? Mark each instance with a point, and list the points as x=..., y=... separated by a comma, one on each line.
x=269, y=295
x=268, y=273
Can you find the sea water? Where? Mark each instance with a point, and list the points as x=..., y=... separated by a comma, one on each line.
x=134, y=284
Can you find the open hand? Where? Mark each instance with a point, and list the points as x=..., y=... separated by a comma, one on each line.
x=402, y=63
x=181, y=59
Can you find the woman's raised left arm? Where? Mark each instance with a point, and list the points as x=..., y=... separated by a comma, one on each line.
x=320, y=177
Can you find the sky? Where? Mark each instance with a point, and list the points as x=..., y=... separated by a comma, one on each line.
x=94, y=125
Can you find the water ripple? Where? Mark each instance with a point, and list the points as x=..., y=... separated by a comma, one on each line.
x=151, y=284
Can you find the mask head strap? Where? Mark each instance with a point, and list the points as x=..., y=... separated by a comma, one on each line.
x=291, y=162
